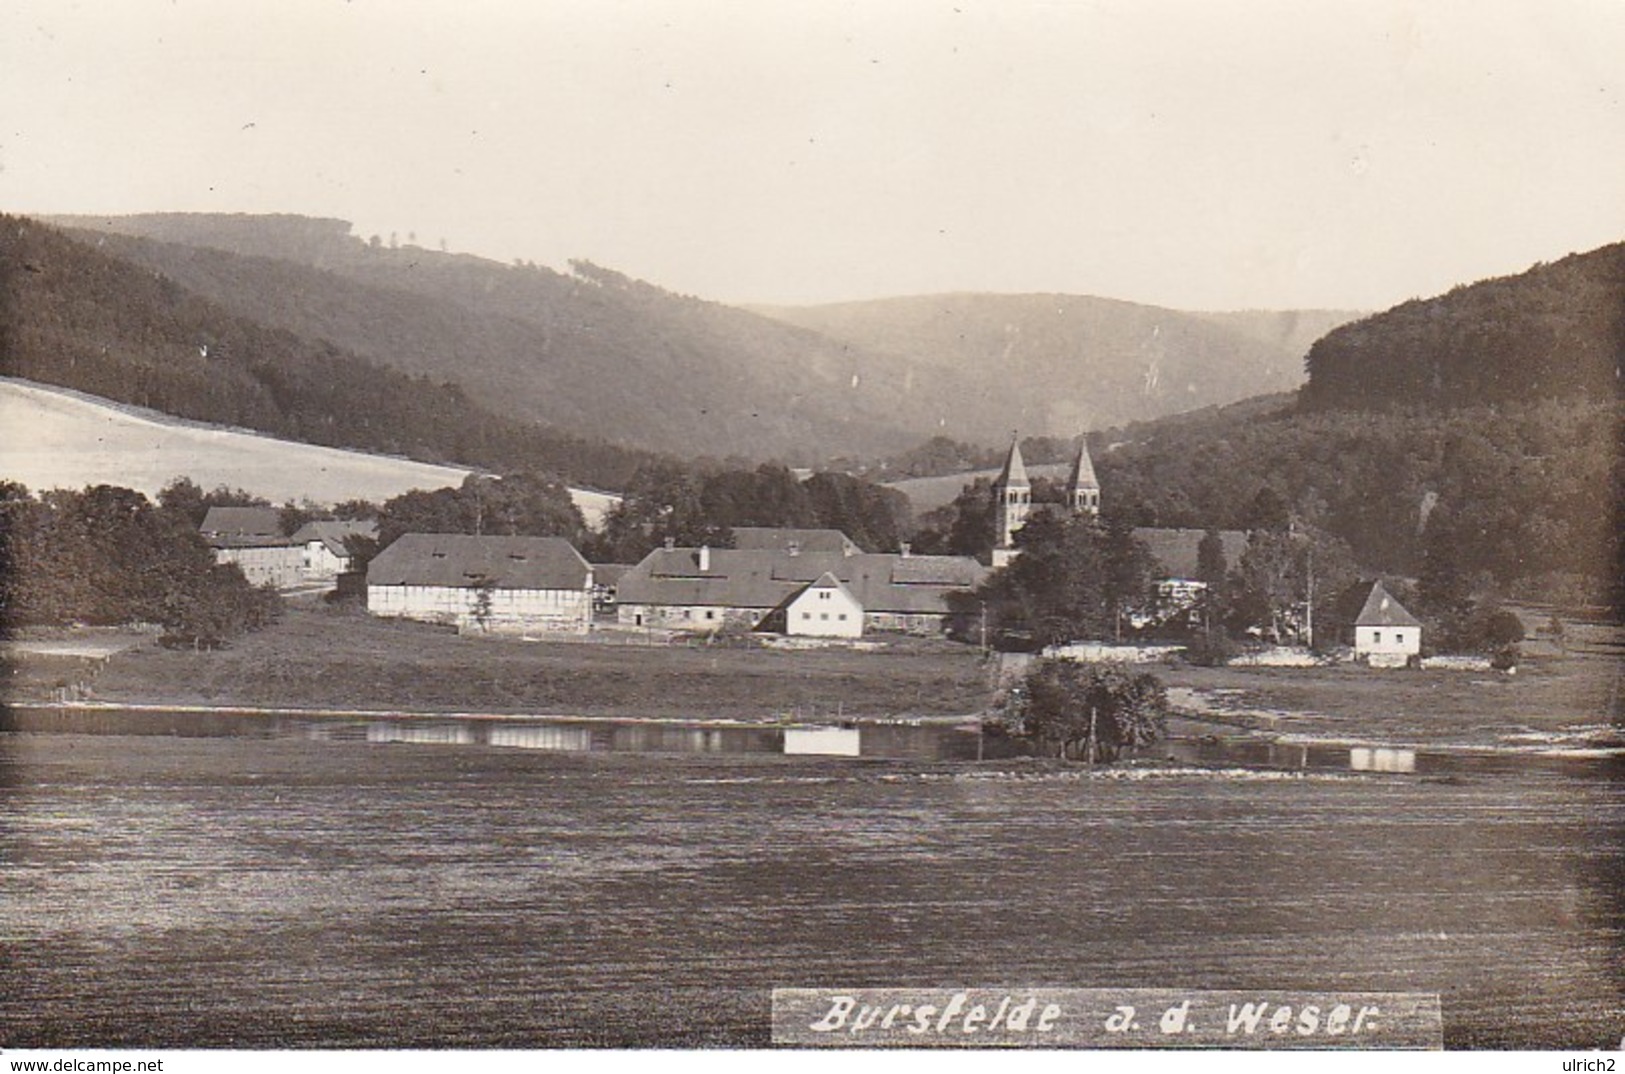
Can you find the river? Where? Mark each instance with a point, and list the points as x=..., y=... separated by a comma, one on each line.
x=352, y=889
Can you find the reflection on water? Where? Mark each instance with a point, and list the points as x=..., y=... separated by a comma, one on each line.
x=897, y=742
x=435, y=734
x=1370, y=759
x=824, y=741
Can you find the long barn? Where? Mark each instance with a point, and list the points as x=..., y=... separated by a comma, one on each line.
x=488, y=584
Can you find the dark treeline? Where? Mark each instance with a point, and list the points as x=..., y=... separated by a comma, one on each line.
x=1524, y=491
x=1555, y=331
x=73, y=317
x=107, y=556
x=693, y=506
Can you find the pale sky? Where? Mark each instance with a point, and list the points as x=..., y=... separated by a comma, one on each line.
x=1200, y=154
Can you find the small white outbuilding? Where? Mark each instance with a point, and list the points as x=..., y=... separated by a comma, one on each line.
x=1385, y=634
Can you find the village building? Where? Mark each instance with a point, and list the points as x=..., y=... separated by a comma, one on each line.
x=1177, y=554
x=1385, y=633
x=606, y=580
x=769, y=587
x=824, y=609
x=252, y=538
x=323, y=553
x=487, y=584
x=1013, y=498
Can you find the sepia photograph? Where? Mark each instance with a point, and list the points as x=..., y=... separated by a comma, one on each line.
x=811, y=526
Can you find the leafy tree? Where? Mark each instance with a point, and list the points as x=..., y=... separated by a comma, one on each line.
x=1073, y=579
x=534, y=505
x=106, y=555
x=1088, y=711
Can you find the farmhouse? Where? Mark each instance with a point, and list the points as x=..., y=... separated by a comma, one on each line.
x=321, y=545
x=496, y=584
x=770, y=588
x=1385, y=634
x=252, y=538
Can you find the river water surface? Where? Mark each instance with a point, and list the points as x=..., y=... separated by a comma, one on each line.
x=358, y=889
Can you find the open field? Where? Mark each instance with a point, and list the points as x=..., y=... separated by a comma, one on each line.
x=333, y=656
x=58, y=438
x=165, y=891
x=1569, y=698
x=928, y=493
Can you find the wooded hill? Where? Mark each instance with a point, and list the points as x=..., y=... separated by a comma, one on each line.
x=1480, y=430
x=1556, y=331
x=599, y=354
x=76, y=316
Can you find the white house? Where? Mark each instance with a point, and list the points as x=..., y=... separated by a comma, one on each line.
x=1385, y=634
x=322, y=550
x=488, y=584
x=252, y=538
x=703, y=589
x=824, y=609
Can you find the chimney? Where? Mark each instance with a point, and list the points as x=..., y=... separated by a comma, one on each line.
x=671, y=542
x=794, y=548
x=705, y=557
x=905, y=548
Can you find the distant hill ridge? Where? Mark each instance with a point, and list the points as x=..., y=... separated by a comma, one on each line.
x=1055, y=364
x=599, y=354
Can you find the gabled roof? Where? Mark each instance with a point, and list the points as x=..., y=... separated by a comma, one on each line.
x=243, y=527
x=780, y=539
x=243, y=522
x=332, y=532
x=1014, y=473
x=1083, y=469
x=1381, y=609
x=461, y=561
x=1178, y=550
x=746, y=578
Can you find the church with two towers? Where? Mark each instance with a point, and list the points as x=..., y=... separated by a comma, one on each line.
x=1013, y=498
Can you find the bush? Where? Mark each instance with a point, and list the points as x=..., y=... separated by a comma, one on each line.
x=1088, y=711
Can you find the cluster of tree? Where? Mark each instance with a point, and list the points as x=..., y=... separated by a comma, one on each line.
x=108, y=555
x=524, y=504
x=1518, y=491
x=1089, y=712
x=693, y=506
x=1075, y=578
x=84, y=320
x=1555, y=332
x=1290, y=585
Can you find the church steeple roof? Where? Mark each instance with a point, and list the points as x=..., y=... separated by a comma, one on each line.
x=1083, y=470
x=1014, y=474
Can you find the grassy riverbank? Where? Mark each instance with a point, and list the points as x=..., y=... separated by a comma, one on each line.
x=324, y=656
x=1568, y=697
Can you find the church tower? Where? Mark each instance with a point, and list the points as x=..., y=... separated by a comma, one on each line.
x=1012, y=503
x=1082, y=489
